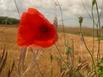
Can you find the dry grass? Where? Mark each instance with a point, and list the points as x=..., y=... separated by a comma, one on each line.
x=8, y=38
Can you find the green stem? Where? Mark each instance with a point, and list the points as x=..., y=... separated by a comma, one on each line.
x=98, y=32
x=94, y=65
x=63, y=27
x=17, y=7
x=61, y=57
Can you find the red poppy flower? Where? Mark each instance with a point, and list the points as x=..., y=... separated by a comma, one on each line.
x=34, y=29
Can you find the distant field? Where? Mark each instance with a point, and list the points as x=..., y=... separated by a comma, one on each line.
x=8, y=38
x=72, y=30
x=76, y=30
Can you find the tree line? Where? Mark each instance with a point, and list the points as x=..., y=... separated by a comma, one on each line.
x=8, y=20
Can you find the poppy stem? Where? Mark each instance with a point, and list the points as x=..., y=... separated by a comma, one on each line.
x=32, y=63
x=36, y=63
x=35, y=56
x=21, y=60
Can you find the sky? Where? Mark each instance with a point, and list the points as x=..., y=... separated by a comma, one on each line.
x=71, y=9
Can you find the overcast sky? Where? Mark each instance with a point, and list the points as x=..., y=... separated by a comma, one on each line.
x=72, y=9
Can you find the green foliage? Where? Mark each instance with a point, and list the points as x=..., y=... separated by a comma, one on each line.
x=8, y=21
x=100, y=67
x=93, y=2
x=68, y=50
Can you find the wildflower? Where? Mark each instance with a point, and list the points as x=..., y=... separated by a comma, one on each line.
x=35, y=30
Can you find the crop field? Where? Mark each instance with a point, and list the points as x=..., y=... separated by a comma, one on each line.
x=53, y=61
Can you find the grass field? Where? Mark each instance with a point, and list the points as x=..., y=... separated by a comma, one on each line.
x=47, y=66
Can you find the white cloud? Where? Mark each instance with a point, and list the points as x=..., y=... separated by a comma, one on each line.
x=71, y=8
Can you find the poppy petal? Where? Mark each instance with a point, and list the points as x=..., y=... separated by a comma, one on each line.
x=34, y=29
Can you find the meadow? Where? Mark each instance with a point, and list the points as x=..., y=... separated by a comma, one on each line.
x=60, y=60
